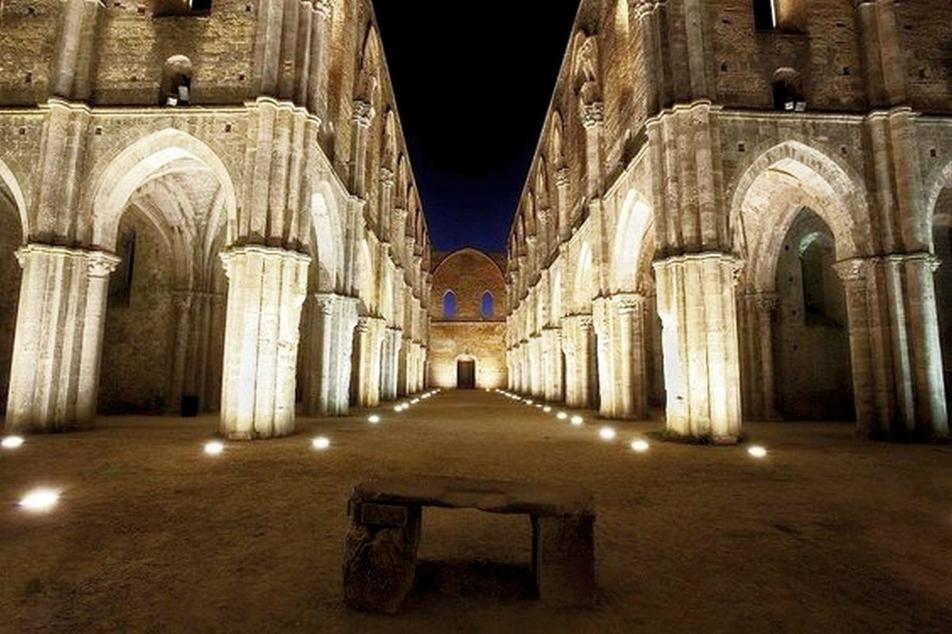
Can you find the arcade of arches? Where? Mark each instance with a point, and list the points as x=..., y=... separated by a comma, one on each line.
x=240, y=230
x=237, y=232
x=715, y=230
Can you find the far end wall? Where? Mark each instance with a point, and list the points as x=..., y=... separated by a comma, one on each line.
x=481, y=341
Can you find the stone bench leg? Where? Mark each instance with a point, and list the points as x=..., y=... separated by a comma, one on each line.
x=563, y=559
x=380, y=557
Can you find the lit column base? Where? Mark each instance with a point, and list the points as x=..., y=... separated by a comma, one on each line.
x=552, y=364
x=578, y=344
x=699, y=337
x=894, y=345
x=535, y=366
x=54, y=379
x=393, y=341
x=327, y=379
x=266, y=289
x=623, y=377
x=368, y=343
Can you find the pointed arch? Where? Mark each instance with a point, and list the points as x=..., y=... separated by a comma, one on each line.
x=632, y=231
x=10, y=185
x=328, y=236
x=158, y=154
x=773, y=189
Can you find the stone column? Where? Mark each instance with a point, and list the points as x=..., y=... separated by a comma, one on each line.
x=701, y=365
x=894, y=346
x=756, y=314
x=75, y=50
x=403, y=366
x=623, y=376
x=363, y=116
x=327, y=378
x=183, y=307
x=536, y=387
x=562, y=181
x=368, y=344
x=54, y=378
x=552, y=364
x=578, y=334
x=266, y=289
x=319, y=58
x=391, y=363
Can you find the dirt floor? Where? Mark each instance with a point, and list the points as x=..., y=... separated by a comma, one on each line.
x=829, y=533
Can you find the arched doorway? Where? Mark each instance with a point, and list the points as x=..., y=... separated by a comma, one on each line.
x=811, y=335
x=466, y=373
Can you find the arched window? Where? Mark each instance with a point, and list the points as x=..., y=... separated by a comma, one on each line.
x=449, y=305
x=486, y=305
x=177, y=81
x=765, y=15
x=788, y=91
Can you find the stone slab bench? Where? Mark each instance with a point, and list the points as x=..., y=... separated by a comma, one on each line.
x=386, y=515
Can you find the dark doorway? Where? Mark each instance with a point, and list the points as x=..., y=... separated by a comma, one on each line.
x=466, y=374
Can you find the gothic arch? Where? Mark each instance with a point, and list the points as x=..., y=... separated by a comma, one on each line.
x=940, y=179
x=327, y=236
x=584, y=279
x=10, y=185
x=159, y=154
x=771, y=192
x=632, y=231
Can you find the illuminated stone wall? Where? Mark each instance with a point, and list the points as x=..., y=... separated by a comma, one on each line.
x=649, y=260
x=281, y=260
x=471, y=333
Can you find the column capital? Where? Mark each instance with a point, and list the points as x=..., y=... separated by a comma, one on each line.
x=386, y=177
x=562, y=176
x=363, y=114
x=593, y=114
x=98, y=263
x=324, y=8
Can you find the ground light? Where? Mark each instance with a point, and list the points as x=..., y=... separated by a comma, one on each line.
x=12, y=442
x=757, y=452
x=214, y=448
x=577, y=421
x=321, y=443
x=561, y=415
x=40, y=500
x=546, y=409
x=415, y=401
x=640, y=446
x=373, y=419
x=606, y=434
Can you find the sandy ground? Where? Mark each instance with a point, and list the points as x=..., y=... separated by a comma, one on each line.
x=829, y=533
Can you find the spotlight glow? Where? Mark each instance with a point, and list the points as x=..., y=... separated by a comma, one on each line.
x=562, y=416
x=640, y=446
x=577, y=421
x=547, y=409
x=528, y=402
x=12, y=442
x=214, y=448
x=415, y=401
x=321, y=443
x=757, y=452
x=373, y=419
x=606, y=434
x=40, y=500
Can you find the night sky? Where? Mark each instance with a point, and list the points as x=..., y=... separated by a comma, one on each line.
x=473, y=82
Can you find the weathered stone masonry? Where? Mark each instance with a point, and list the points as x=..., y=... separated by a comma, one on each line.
x=243, y=170
x=729, y=220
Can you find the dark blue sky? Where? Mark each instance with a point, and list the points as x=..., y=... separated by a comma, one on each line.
x=473, y=81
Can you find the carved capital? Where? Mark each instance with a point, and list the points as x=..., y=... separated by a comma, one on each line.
x=854, y=270
x=386, y=177
x=562, y=176
x=324, y=8
x=593, y=114
x=364, y=113
x=100, y=264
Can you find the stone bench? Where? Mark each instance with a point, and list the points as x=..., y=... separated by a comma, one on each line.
x=386, y=514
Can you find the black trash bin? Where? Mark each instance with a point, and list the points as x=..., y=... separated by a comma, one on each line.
x=189, y=406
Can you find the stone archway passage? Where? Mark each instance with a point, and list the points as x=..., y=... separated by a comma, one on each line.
x=466, y=374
